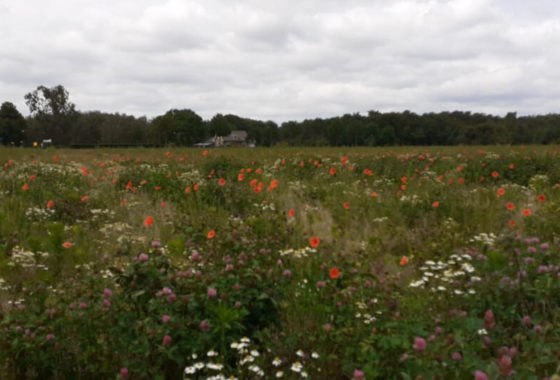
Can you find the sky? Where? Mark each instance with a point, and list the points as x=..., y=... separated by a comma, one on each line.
x=285, y=60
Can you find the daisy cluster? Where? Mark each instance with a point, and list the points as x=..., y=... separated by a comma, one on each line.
x=455, y=276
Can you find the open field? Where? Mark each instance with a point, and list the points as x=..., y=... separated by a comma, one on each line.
x=326, y=263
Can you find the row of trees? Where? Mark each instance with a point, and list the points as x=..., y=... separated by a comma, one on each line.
x=53, y=116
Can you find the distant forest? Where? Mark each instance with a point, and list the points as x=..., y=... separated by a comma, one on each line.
x=53, y=116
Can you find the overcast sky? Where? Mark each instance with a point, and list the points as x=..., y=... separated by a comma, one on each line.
x=285, y=60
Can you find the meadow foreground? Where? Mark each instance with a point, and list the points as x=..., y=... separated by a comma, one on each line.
x=405, y=263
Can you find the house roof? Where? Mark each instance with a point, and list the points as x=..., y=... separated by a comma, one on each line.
x=236, y=136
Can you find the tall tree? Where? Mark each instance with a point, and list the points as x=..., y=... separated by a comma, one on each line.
x=12, y=125
x=178, y=127
x=52, y=109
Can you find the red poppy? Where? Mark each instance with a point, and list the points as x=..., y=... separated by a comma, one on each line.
x=510, y=206
x=25, y=187
x=291, y=213
x=148, y=221
x=541, y=198
x=67, y=244
x=526, y=212
x=500, y=192
x=435, y=204
x=512, y=223
x=196, y=186
x=346, y=206
x=253, y=183
x=222, y=182
x=495, y=174
x=314, y=242
x=50, y=204
x=332, y=171
x=84, y=198
x=373, y=195
x=211, y=234
x=187, y=190
x=334, y=273
x=240, y=177
x=404, y=261
x=163, y=204
x=511, y=166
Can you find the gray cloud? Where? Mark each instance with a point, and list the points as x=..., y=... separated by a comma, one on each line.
x=284, y=60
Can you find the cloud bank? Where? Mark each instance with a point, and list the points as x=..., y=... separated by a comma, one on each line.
x=286, y=60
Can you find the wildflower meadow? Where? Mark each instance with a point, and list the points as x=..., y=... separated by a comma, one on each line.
x=323, y=263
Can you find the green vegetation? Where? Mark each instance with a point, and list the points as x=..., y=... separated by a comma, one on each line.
x=327, y=263
x=54, y=117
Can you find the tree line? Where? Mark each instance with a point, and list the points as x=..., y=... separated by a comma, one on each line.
x=53, y=116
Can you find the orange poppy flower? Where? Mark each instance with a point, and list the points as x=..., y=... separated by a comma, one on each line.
x=187, y=190
x=334, y=273
x=373, y=195
x=435, y=204
x=314, y=242
x=404, y=261
x=211, y=234
x=148, y=221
